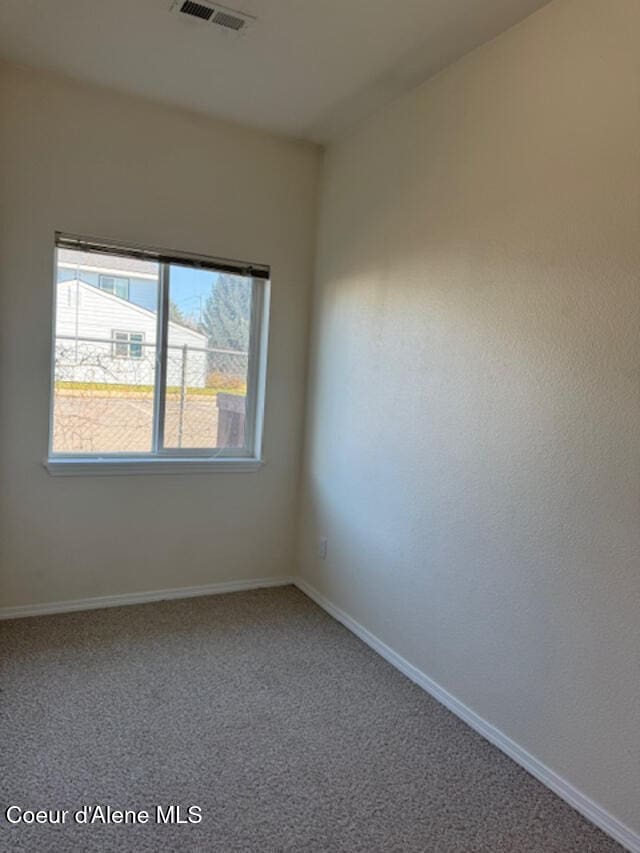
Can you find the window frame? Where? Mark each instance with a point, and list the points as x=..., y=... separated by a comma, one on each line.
x=127, y=342
x=114, y=278
x=161, y=459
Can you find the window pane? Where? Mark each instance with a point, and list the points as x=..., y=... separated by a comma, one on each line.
x=207, y=358
x=122, y=288
x=105, y=355
x=116, y=285
x=136, y=349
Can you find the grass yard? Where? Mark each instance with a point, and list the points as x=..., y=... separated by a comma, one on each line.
x=113, y=389
x=109, y=418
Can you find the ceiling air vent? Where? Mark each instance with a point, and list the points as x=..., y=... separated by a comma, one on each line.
x=196, y=10
x=232, y=22
x=227, y=21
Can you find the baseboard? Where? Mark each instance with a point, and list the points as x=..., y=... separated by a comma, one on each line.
x=139, y=597
x=579, y=801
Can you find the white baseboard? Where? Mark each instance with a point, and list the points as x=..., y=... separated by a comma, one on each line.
x=139, y=597
x=579, y=801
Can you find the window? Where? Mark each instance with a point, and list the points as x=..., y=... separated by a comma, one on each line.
x=171, y=387
x=127, y=344
x=114, y=284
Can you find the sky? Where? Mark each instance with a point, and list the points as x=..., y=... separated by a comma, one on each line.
x=189, y=288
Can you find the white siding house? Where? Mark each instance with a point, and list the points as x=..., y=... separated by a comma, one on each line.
x=102, y=338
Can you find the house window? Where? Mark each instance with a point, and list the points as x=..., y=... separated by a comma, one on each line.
x=117, y=285
x=174, y=387
x=127, y=344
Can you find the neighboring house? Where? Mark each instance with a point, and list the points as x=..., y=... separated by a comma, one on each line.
x=129, y=278
x=104, y=338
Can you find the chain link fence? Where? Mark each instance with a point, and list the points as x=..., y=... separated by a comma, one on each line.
x=105, y=399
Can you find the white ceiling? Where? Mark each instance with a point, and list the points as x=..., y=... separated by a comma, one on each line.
x=307, y=68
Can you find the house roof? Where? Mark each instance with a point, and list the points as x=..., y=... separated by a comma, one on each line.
x=118, y=300
x=110, y=263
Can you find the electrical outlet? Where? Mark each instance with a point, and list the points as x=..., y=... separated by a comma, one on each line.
x=322, y=548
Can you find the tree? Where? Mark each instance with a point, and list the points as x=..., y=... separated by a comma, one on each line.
x=177, y=315
x=225, y=321
x=227, y=312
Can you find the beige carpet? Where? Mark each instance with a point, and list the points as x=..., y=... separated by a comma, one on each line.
x=288, y=732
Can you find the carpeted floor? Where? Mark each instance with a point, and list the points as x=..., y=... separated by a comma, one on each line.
x=287, y=731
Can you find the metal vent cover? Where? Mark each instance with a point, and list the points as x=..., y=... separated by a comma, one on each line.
x=197, y=10
x=230, y=22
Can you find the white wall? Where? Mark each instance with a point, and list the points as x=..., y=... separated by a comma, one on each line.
x=473, y=450
x=84, y=160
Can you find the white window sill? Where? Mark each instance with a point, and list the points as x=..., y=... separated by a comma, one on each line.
x=70, y=467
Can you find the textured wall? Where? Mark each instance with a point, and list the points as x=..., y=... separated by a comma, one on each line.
x=474, y=408
x=84, y=160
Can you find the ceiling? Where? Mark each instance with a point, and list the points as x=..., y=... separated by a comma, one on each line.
x=306, y=69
